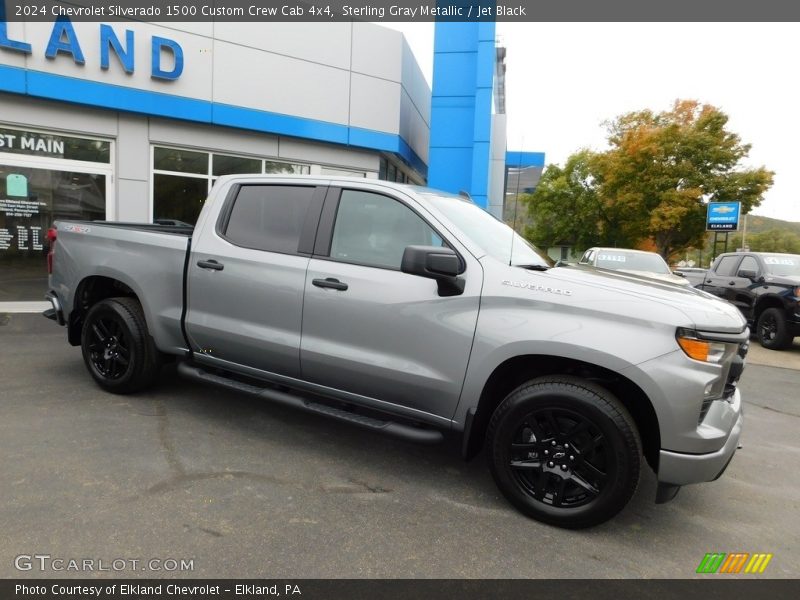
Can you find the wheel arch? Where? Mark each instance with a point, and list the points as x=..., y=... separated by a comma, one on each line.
x=515, y=371
x=765, y=302
x=89, y=292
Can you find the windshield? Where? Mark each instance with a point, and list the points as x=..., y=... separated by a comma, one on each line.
x=632, y=261
x=491, y=234
x=786, y=265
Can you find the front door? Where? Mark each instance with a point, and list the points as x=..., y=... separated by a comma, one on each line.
x=370, y=329
x=246, y=276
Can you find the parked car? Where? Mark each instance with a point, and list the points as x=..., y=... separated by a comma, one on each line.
x=694, y=275
x=411, y=313
x=636, y=262
x=766, y=287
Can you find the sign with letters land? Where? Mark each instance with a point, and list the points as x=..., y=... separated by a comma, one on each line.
x=723, y=216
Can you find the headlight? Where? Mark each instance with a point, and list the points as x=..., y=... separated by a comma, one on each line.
x=703, y=350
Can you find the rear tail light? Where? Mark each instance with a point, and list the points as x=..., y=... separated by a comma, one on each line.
x=52, y=234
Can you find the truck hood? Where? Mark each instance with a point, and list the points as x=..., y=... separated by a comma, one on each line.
x=783, y=279
x=702, y=310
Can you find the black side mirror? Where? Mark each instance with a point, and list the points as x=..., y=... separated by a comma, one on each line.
x=747, y=274
x=435, y=262
x=679, y=273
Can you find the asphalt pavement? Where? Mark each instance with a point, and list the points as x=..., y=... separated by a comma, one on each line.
x=243, y=488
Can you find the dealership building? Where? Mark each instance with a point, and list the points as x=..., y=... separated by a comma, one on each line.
x=134, y=121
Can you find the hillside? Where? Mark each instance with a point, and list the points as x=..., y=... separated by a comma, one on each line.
x=756, y=224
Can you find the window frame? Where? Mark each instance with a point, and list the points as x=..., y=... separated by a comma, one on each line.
x=308, y=231
x=327, y=225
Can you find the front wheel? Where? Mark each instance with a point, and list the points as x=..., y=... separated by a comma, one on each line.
x=773, y=331
x=564, y=451
x=117, y=348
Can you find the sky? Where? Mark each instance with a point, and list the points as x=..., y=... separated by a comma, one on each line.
x=564, y=79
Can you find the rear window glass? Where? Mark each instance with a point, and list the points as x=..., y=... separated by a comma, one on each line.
x=269, y=217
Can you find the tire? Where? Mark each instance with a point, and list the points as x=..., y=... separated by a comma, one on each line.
x=117, y=349
x=773, y=332
x=576, y=454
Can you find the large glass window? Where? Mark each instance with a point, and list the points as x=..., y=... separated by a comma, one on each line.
x=31, y=199
x=269, y=217
x=183, y=178
x=375, y=230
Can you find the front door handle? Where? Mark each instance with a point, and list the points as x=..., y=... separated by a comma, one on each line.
x=210, y=264
x=331, y=283
x=731, y=283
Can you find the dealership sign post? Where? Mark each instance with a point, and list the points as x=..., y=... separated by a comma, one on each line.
x=723, y=217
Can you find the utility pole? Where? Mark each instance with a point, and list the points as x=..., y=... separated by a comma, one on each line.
x=744, y=234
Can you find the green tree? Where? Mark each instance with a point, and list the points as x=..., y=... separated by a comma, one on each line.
x=652, y=183
x=566, y=207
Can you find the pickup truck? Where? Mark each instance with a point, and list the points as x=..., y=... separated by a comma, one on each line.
x=414, y=313
x=765, y=286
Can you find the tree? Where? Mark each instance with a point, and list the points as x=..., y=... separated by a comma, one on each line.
x=567, y=207
x=652, y=183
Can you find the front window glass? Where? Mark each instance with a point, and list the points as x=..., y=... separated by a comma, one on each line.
x=495, y=237
x=785, y=265
x=727, y=265
x=372, y=229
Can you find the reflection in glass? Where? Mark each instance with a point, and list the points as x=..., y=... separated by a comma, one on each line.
x=178, y=198
x=25, y=219
x=181, y=161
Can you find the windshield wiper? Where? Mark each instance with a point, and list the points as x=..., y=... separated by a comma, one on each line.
x=534, y=267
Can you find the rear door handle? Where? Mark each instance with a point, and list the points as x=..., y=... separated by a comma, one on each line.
x=210, y=264
x=331, y=283
x=731, y=283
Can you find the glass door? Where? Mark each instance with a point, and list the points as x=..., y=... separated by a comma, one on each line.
x=33, y=194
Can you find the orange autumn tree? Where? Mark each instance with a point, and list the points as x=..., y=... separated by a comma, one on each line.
x=655, y=179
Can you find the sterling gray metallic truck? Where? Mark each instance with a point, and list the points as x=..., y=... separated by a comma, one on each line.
x=414, y=313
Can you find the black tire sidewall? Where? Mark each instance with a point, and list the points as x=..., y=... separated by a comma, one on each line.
x=138, y=373
x=782, y=338
x=603, y=411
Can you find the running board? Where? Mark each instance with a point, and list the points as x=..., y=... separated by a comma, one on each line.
x=398, y=430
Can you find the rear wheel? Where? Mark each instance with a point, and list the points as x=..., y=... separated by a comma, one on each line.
x=564, y=451
x=117, y=349
x=773, y=331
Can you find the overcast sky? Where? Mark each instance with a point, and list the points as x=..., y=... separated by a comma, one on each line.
x=565, y=79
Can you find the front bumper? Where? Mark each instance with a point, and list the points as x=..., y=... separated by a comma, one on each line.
x=676, y=468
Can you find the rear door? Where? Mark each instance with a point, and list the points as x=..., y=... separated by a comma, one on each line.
x=720, y=279
x=246, y=277
x=373, y=331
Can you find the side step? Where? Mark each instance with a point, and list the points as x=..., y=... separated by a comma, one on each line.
x=398, y=430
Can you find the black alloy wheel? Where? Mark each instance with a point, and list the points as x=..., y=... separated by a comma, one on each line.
x=564, y=451
x=773, y=331
x=109, y=348
x=560, y=457
x=117, y=348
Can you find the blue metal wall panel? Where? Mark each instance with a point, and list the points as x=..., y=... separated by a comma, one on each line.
x=461, y=108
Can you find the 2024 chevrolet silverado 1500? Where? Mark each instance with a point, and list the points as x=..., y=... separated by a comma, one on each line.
x=412, y=312
x=765, y=286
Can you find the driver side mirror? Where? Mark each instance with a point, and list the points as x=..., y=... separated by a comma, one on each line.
x=747, y=274
x=435, y=262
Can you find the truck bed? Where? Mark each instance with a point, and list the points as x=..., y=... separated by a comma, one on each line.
x=149, y=259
